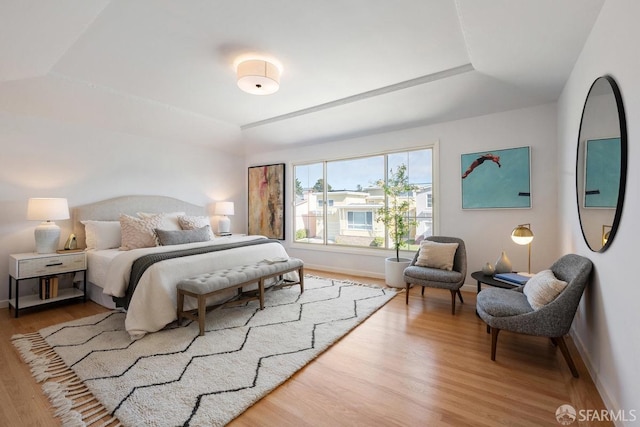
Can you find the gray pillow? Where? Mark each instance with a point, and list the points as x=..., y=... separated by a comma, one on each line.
x=179, y=237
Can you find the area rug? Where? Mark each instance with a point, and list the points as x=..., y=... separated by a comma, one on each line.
x=175, y=377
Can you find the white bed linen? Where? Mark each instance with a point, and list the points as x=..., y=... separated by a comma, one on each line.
x=153, y=304
x=98, y=261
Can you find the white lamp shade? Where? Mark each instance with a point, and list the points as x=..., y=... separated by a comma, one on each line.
x=47, y=209
x=224, y=208
x=258, y=77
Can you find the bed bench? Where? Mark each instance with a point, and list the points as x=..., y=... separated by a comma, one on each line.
x=206, y=285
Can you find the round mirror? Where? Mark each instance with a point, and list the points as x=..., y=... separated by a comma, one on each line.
x=601, y=164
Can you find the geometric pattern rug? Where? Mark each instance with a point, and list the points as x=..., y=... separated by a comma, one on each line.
x=94, y=374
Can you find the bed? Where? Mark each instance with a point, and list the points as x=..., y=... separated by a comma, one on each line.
x=152, y=305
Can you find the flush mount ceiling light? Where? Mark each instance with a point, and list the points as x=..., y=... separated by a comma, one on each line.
x=258, y=77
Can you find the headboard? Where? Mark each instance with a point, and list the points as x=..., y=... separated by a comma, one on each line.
x=110, y=210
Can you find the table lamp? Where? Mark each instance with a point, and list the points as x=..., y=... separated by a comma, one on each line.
x=223, y=209
x=606, y=232
x=48, y=210
x=522, y=235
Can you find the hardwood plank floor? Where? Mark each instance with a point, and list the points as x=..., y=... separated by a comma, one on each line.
x=404, y=366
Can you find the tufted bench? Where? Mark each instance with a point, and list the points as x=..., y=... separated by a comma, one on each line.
x=206, y=285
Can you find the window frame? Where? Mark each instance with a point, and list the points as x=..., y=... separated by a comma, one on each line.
x=340, y=248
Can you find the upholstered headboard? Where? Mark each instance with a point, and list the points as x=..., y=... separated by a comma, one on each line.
x=110, y=210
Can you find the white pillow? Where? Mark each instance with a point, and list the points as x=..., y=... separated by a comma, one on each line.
x=102, y=234
x=436, y=255
x=170, y=221
x=139, y=233
x=543, y=288
x=193, y=222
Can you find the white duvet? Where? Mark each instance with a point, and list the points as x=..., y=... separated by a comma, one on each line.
x=153, y=305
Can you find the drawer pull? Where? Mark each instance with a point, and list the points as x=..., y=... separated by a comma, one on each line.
x=54, y=264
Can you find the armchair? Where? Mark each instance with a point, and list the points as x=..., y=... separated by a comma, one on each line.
x=509, y=309
x=439, y=278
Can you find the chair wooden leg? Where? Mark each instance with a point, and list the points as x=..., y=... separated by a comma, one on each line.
x=567, y=356
x=453, y=302
x=460, y=296
x=422, y=293
x=407, y=293
x=494, y=342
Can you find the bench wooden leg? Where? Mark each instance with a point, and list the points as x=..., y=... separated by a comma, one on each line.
x=180, y=306
x=261, y=292
x=301, y=274
x=202, y=312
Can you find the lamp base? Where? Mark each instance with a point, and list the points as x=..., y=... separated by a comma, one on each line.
x=47, y=236
x=224, y=225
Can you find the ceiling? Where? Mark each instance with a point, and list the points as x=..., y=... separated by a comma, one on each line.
x=163, y=69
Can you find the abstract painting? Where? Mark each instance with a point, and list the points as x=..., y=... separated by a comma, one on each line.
x=496, y=179
x=266, y=200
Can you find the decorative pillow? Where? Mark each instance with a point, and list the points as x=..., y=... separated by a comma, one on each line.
x=102, y=234
x=436, y=255
x=170, y=221
x=139, y=233
x=192, y=222
x=179, y=237
x=543, y=288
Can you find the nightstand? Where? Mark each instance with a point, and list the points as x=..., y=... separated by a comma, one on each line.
x=35, y=266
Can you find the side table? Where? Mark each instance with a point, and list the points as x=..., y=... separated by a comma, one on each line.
x=35, y=266
x=481, y=278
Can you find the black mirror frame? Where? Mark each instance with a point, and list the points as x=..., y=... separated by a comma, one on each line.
x=623, y=163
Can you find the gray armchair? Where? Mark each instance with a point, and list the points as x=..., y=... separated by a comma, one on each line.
x=509, y=309
x=436, y=278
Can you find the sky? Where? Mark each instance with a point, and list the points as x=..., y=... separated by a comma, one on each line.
x=349, y=173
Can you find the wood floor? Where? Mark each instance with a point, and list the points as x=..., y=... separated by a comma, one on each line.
x=414, y=365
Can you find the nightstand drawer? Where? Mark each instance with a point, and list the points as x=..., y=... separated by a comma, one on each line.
x=47, y=265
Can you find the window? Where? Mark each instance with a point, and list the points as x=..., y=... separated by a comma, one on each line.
x=360, y=220
x=336, y=202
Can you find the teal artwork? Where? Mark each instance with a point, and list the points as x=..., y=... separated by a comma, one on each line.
x=496, y=179
x=602, y=173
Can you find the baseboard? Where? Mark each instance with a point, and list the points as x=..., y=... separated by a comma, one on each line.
x=353, y=272
x=606, y=398
x=4, y=303
x=349, y=271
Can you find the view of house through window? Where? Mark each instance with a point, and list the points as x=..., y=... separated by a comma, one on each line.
x=336, y=202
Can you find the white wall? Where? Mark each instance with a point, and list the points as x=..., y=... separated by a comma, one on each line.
x=486, y=232
x=41, y=158
x=606, y=326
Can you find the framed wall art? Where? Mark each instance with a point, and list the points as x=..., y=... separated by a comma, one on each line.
x=266, y=200
x=602, y=173
x=496, y=179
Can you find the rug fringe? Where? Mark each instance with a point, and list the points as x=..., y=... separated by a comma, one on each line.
x=73, y=402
